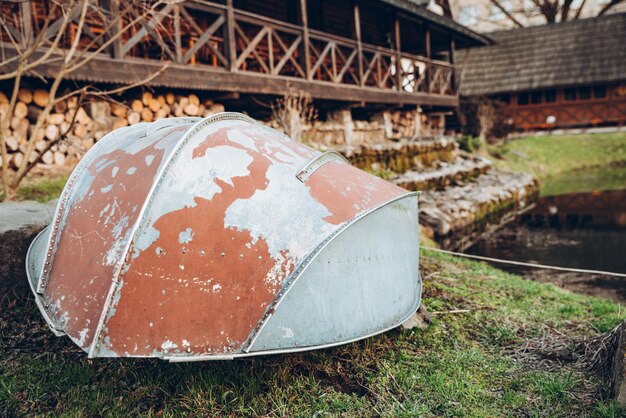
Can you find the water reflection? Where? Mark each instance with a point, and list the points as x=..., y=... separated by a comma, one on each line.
x=579, y=230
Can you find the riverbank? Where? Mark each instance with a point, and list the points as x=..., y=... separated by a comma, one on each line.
x=498, y=345
x=549, y=156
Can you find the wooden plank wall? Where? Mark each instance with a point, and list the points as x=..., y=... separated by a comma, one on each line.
x=609, y=110
x=376, y=23
x=332, y=16
x=284, y=10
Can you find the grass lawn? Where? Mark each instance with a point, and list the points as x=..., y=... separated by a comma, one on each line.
x=510, y=354
x=551, y=155
x=41, y=189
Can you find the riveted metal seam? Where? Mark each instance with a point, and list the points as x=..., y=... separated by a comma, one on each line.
x=60, y=213
x=158, y=178
x=305, y=263
x=53, y=327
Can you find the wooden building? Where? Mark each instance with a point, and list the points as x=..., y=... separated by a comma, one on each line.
x=353, y=52
x=562, y=75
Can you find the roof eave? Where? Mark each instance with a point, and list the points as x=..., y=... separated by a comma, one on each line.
x=461, y=31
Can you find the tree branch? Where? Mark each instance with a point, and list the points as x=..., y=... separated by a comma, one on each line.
x=567, y=4
x=580, y=9
x=27, y=66
x=4, y=128
x=507, y=13
x=608, y=6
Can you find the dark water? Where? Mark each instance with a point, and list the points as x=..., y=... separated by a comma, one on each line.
x=578, y=230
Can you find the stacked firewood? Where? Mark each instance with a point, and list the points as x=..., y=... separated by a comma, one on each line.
x=83, y=125
x=66, y=117
x=149, y=108
x=403, y=124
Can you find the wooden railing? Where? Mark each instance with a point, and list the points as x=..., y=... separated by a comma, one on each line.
x=198, y=33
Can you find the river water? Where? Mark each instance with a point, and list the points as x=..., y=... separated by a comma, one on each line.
x=579, y=222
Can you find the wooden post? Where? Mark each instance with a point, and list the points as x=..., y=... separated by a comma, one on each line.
x=304, y=18
x=428, y=55
x=451, y=59
x=27, y=21
x=230, y=29
x=270, y=48
x=396, y=25
x=113, y=7
x=177, y=39
x=359, y=44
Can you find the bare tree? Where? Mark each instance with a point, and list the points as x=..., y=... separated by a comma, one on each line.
x=294, y=111
x=551, y=10
x=61, y=52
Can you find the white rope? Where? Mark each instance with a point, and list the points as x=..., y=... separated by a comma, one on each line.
x=520, y=263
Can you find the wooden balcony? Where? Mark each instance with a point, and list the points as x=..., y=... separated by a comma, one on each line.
x=213, y=46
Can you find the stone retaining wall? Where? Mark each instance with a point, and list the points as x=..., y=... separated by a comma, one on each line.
x=459, y=215
x=400, y=156
x=20, y=222
x=462, y=170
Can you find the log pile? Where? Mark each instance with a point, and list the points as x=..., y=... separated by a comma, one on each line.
x=85, y=125
x=403, y=124
x=332, y=133
x=29, y=106
x=149, y=108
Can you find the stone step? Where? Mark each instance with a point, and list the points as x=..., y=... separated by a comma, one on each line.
x=459, y=214
x=400, y=156
x=463, y=169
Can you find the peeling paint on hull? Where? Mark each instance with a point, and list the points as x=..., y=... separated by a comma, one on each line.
x=183, y=242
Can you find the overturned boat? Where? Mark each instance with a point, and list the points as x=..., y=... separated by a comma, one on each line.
x=190, y=239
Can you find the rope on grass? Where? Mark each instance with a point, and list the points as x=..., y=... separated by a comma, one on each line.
x=521, y=263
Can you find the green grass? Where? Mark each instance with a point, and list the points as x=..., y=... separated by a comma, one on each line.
x=41, y=190
x=551, y=155
x=465, y=364
x=594, y=179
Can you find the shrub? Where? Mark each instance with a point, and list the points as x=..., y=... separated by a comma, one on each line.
x=482, y=116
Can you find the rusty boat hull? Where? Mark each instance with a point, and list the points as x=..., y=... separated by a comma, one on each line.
x=196, y=239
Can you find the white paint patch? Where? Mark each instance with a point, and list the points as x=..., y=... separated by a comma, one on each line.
x=297, y=220
x=114, y=171
x=186, y=236
x=81, y=337
x=145, y=239
x=194, y=178
x=288, y=332
x=120, y=226
x=131, y=171
x=106, y=208
x=115, y=252
x=242, y=139
x=149, y=159
x=168, y=345
x=106, y=189
x=216, y=288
